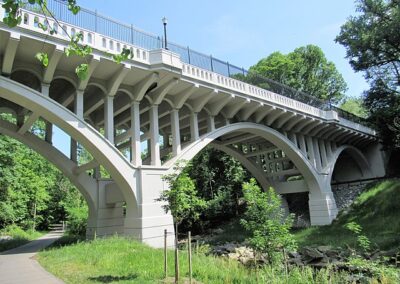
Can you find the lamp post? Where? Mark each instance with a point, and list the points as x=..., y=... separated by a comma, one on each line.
x=165, y=22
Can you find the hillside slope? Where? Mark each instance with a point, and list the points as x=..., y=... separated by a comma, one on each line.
x=377, y=210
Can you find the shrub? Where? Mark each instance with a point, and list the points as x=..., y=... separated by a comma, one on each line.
x=267, y=222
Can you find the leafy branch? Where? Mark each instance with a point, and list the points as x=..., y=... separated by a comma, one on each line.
x=13, y=18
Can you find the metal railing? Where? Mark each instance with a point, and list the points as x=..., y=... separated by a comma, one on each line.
x=91, y=20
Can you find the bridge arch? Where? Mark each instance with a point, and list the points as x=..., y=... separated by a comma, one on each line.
x=101, y=149
x=348, y=163
x=276, y=138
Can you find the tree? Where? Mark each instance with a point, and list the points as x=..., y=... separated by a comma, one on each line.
x=267, y=222
x=354, y=106
x=182, y=200
x=181, y=197
x=305, y=69
x=372, y=42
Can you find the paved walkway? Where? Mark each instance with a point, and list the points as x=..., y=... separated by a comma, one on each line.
x=17, y=266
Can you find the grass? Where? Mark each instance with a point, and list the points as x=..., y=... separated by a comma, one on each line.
x=122, y=260
x=19, y=237
x=376, y=210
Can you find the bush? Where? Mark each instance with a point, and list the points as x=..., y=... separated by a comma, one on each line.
x=77, y=219
x=267, y=222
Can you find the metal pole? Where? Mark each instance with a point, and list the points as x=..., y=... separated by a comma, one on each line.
x=165, y=36
x=212, y=65
x=229, y=71
x=188, y=50
x=165, y=255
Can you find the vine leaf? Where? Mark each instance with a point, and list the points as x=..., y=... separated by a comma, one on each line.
x=82, y=71
x=43, y=58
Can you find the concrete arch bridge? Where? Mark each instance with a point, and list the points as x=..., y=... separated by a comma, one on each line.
x=157, y=96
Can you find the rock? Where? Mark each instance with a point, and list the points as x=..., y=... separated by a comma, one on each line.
x=311, y=253
x=324, y=249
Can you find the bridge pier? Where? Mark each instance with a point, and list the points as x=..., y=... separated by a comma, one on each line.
x=150, y=221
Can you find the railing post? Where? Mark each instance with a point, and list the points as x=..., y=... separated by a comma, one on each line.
x=131, y=34
x=243, y=71
x=212, y=65
x=229, y=71
x=95, y=21
x=188, y=51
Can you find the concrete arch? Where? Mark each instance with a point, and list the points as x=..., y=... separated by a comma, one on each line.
x=66, y=77
x=276, y=138
x=357, y=156
x=125, y=91
x=97, y=85
x=30, y=69
x=102, y=150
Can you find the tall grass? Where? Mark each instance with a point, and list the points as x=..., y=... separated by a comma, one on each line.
x=18, y=236
x=126, y=261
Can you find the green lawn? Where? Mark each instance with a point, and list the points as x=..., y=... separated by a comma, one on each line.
x=377, y=210
x=120, y=260
x=19, y=237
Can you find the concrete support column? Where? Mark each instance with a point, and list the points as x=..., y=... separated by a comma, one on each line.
x=210, y=123
x=328, y=148
x=310, y=151
x=293, y=138
x=194, y=126
x=322, y=206
x=317, y=154
x=78, y=104
x=78, y=110
x=323, y=152
x=136, y=158
x=302, y=143
x=149, y=222
x=227, y=121
x=154, y=136
x=176, y=136
x=109, y=118
x=49, y=127
x=45, y=89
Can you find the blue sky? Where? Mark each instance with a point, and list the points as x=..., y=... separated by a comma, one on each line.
x=241, y=32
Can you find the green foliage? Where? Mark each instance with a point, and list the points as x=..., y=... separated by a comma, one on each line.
x=181, y=198
x=218, y=178
x=305, y=69
x=375, y=210
x=354, y=106
x=43, y=58
x=372, y=45
x=124, y=260
x=18, y=236
x=362, y=240
x=266, y=221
